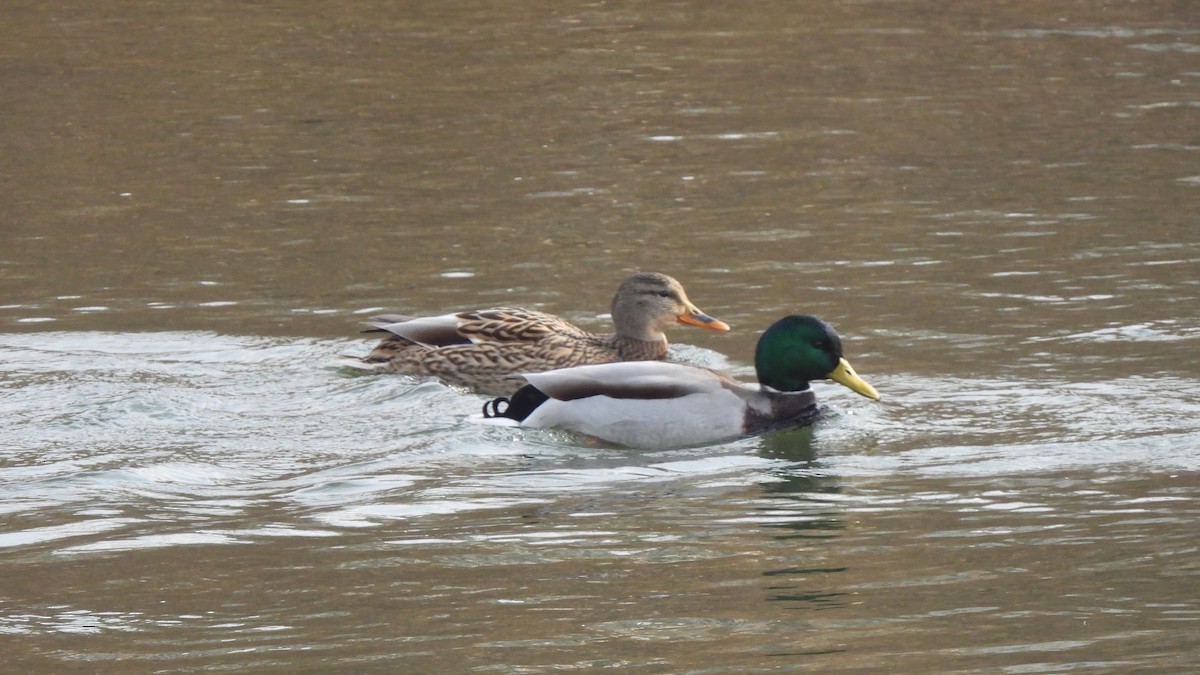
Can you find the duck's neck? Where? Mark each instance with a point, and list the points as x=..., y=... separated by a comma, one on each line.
x=633, y=349
x=782, y=380
x=782, y=409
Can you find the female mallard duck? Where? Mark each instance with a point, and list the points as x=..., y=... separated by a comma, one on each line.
x=662, y=405
x=484, y=349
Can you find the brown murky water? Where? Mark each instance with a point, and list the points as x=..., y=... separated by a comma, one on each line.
x=995, y=203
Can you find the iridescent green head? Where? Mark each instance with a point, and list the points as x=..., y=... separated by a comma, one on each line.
x=798, y=349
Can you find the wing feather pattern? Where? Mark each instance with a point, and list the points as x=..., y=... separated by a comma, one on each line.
x=649, y=380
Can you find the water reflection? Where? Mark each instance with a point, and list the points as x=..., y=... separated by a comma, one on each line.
x=800, y=507
x=790, y=445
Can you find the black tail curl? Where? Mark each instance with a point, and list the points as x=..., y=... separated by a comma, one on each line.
x=492, y=408
x=518, y=407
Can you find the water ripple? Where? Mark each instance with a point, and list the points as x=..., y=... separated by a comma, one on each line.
x=141, y=441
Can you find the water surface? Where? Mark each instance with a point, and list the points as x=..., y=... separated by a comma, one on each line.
x=995, y=203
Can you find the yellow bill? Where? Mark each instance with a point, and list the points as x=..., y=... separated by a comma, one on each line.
x=844, y=374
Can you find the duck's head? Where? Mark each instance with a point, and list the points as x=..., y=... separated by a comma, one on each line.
x=798, y=349
x=649, y=302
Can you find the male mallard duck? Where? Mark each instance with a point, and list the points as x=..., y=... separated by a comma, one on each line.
x=483, y=349
x=661, y=405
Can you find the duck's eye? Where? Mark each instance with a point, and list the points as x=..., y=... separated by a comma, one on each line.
x=664, y=294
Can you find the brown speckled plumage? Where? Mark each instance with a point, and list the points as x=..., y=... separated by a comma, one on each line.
x=482, y=350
